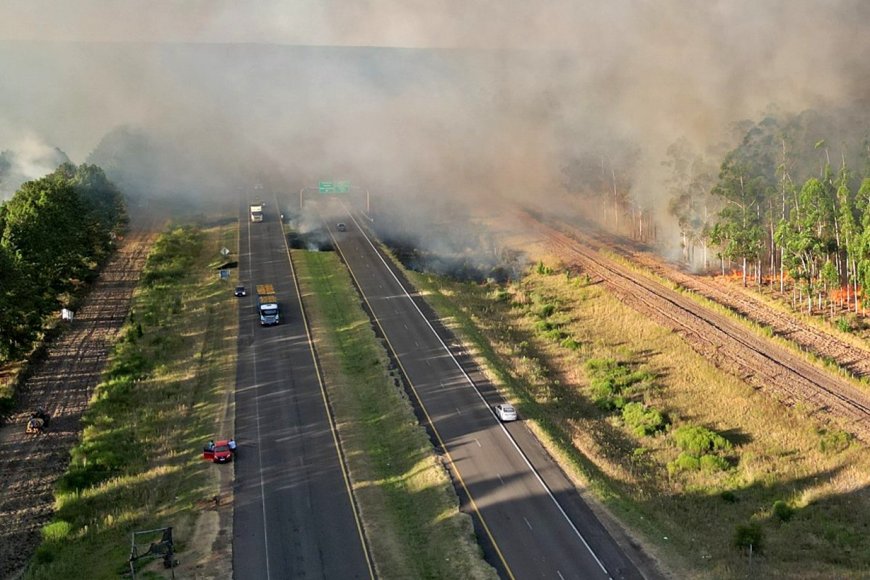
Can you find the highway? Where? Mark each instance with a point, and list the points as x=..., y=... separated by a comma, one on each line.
x=531, y=521
x=293, y=515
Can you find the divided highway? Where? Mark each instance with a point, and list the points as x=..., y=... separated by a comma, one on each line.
x=530, y=518
x=294, y=515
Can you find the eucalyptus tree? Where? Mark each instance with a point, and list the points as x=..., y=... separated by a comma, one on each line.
x=739, y=232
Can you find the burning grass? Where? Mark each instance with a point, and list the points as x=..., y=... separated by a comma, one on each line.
x=667, y=483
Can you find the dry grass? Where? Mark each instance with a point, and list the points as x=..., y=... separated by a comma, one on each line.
x=777, y=454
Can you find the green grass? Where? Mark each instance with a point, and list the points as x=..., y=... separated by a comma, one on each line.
x=770, y=452
x=138, y=464
x=409, y=508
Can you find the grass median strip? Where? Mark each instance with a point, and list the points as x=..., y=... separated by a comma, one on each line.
x=409, y=509
x=138, y=464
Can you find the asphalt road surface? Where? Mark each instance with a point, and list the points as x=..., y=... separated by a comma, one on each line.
x=530, y=518
x=293, y=515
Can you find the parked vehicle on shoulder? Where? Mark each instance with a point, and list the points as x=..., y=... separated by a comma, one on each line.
x=240, y=291
x=506, y=412
x=218, y=451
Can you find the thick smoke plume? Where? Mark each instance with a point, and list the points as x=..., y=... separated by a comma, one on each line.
x=450, y=101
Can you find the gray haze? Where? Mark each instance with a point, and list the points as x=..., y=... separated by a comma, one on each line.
x=414, y=99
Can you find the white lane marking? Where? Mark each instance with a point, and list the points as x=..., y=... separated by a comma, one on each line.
x=480, y=395
x=458, y=412
x=259, y=437
x=478, y=443
x=500, y=478
x=525, y=519
x=560, y=575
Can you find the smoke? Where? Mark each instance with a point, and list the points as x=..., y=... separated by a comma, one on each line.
x=437, y=107
x=25, y=158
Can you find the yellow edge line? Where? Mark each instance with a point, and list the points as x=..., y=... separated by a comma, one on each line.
x=428, y=418
x=332, y=427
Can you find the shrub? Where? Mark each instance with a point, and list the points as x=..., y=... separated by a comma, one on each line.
x=543, y=269
x=844, y=324
x=834, y=441
x=782, y=510
x=613, y=379
x=546, y=310
x=545, y=325
x=642, y=420
x=698, y=440
x=685, y=462
x=570, y=343
x=711, y=463
x=57, y=530
x=556, y=335
x=728, y=496
x=746, y=535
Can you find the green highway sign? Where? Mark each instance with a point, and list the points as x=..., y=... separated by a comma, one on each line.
x=334, y=187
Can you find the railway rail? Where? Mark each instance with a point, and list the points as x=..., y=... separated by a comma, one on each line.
x=728, y=345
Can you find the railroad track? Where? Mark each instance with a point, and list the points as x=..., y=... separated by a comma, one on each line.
x=850, y=355
x=727, y=344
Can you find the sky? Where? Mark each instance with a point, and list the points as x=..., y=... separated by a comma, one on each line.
x=455, y=96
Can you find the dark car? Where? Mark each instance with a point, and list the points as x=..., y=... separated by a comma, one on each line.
x=240, y=291
x=341, y=227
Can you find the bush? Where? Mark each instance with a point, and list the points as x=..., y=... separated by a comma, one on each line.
x=699, y=440
x=556, y=335
x=712, y=463
x=746, y=535
x=834, y=441
x=782, y=510
x=642, y=420
x=570, y=343
x=685, y=462
x=612, y=380
x=57, y=530
x=546, y=310
x=843, y=324
x=729, y=496
x=543, y=269
x=544, y=326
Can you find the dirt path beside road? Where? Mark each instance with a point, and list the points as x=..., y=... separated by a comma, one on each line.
x=61, y=384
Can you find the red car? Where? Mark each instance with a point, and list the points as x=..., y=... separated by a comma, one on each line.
x=220, y=453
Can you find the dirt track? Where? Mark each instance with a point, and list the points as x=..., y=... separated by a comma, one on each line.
x=725, y=343
x=61, y=384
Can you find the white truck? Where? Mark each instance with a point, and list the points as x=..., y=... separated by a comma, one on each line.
x=257, y=212
x=267, y=305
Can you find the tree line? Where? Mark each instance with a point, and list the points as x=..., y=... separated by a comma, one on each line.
x=787, y=207
x=54, y=234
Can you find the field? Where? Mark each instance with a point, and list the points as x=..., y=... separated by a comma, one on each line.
x=162, y=396
x=697, y=463
x=409, y=509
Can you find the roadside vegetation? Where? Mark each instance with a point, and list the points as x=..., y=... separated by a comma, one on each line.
x=694, y=461
x=138, y=463
x=409, y=509
x=55, y=232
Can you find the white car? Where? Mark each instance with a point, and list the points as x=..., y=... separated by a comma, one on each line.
x=506, y=412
